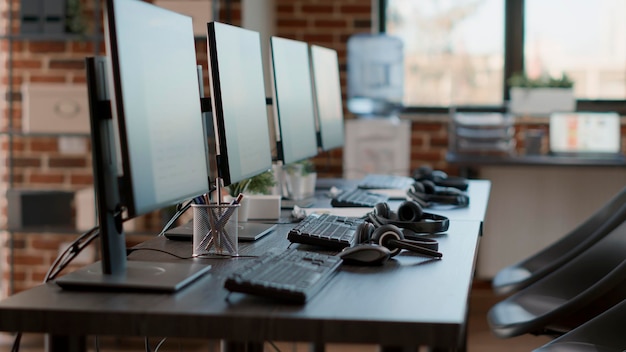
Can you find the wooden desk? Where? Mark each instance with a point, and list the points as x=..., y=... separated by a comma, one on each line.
x=410, y=301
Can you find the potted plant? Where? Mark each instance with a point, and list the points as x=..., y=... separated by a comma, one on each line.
x=300, y=178
x=256, y=202
x=540, y=96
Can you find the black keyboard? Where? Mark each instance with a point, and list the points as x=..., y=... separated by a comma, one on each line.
x=378, y=181
x=326, y=230
x=292, y=275
x=358, y=197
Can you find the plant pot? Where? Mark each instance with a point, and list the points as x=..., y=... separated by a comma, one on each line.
x=300, y=186
x=541, y=101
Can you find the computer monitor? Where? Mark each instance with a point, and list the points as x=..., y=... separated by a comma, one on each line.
x=238, y=102
x=149, y=146
x=294, y=111
x=327, y=95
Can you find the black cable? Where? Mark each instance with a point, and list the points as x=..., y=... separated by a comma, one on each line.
x=71, y=252
x=208, y=256
x=61, y=261
x=180, y=210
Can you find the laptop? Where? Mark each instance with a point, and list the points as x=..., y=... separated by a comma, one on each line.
x=248, y=231
x=585, y=134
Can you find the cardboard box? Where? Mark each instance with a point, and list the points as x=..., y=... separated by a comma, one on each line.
x=55, y=108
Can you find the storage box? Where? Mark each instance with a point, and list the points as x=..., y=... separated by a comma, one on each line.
x=39, y=208
x=263, y=207
x=55, y=108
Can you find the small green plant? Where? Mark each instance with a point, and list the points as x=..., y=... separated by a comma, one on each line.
x=74, y=20
x=521, y=80
x=306, y=167
x=259, y=184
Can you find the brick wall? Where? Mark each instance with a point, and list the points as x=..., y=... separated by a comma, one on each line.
x=326, y=23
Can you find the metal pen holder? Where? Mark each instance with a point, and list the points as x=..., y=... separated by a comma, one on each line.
x=215, y=229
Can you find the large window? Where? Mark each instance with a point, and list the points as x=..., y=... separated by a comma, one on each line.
x=460, y=52
x=587, y=42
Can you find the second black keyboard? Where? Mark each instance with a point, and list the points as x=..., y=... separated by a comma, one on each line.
x=357, y=197
x=292, y=275
x=326, y=230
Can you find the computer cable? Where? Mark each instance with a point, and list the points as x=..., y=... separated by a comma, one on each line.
x=71, y=252
x=60, y=263
x=181, y=208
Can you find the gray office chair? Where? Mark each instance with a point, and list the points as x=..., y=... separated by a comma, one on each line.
x=604, y=333
x=571, y=295
x=527, y=271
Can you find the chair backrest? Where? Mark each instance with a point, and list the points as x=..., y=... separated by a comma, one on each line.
x=537, y=266
x=569, y=296
x=604, y=333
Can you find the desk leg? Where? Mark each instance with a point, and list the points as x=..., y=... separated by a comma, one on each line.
x=66, y=343
x=232, y=346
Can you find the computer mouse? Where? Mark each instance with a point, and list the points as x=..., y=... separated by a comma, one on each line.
x=365, y=254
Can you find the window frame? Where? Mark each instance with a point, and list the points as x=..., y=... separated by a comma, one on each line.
x=513, y=62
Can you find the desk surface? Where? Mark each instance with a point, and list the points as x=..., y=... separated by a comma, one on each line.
x=534, y=160
x=409, y=301
x=478, y=192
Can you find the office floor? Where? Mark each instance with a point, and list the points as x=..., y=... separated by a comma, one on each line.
x=480, y=338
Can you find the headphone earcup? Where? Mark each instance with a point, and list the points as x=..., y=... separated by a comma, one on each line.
x=382, y=210
x=364, y=232
x=410, y=211
x=429, y=186
x=385, y=235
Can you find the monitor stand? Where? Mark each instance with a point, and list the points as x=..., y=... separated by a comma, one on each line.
x=139, y=276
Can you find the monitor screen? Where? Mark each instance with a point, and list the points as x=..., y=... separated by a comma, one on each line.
x=294, y=110
x=328, y=103
x=585, y=132
x=155, y=106
x=238, y=102
x=149, y=147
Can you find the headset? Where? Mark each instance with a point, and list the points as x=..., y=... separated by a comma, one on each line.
x=410, y=216
x=440, y=178
x=427, y=194
x=392, y=238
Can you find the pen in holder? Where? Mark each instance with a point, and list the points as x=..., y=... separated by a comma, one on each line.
x=215, y=229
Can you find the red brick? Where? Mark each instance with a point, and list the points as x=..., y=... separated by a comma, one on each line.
x=27, y=64
x=330, y=24
x=26, y=161
x=47, y=79
x=43, y=145
x=282, y=9
x=356, y=9
x=439, y=141
x=67, y=162
x=428, y=155
x=317, y=9
x=82, y=47
x=27, y=259
x=291, y=23
x=85, y=179
x=46, y=47
x=46, y=178
x=67, y=64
